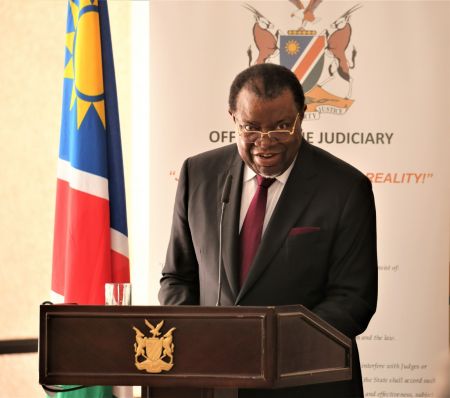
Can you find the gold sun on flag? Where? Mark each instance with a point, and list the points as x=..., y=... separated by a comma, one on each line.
x=292, y=47
x=85, y=64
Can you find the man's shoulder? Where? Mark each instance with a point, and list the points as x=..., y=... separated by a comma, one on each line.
x=328, y=164
x=219, y=157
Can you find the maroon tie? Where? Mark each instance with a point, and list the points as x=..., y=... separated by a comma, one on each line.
x=252, y=227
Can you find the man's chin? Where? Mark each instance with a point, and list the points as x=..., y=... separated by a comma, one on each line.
x=268, y=168
x=266, y=171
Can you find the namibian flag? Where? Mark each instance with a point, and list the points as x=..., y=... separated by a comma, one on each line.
x=90, y=241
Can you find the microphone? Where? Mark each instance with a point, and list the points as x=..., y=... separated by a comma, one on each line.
x=224, y=200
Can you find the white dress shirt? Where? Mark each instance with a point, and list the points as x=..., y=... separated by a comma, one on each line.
x=249, y=187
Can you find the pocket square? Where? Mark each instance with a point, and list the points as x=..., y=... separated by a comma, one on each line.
x=303, y=230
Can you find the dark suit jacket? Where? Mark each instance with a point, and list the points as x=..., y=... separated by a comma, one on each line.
x=319, y=248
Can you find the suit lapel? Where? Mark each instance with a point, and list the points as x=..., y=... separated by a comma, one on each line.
x=230, y=237
x=293, y=201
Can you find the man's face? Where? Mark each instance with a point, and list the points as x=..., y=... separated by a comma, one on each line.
x=267, y=157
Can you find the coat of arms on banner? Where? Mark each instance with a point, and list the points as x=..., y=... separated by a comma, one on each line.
x=316, y=57
x=154, y=354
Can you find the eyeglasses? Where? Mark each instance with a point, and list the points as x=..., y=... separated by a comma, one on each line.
x=280, y=135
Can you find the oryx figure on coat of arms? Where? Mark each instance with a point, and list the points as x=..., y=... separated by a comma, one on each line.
x=154, y=354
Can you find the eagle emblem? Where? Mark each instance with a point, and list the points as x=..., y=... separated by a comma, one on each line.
x=154, y=354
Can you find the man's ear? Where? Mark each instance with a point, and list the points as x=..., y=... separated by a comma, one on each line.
x=304, y=109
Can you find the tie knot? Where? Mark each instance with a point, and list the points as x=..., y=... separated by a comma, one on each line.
x=265, y=182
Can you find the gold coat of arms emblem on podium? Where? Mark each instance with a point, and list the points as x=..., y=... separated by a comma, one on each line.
x=154, y=354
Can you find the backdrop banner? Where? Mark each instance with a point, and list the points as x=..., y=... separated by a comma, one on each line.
x=376, y=79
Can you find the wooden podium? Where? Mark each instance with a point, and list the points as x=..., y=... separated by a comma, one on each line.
x=208, y=350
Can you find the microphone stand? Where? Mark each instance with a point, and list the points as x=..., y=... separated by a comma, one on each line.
x=225, y=200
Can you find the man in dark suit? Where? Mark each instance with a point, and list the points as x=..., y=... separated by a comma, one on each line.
x=318, y=235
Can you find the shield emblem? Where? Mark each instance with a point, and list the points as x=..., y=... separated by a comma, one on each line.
x=304, y=55
x=153, y=348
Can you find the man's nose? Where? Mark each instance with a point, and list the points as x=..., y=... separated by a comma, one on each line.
x=264, y=141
